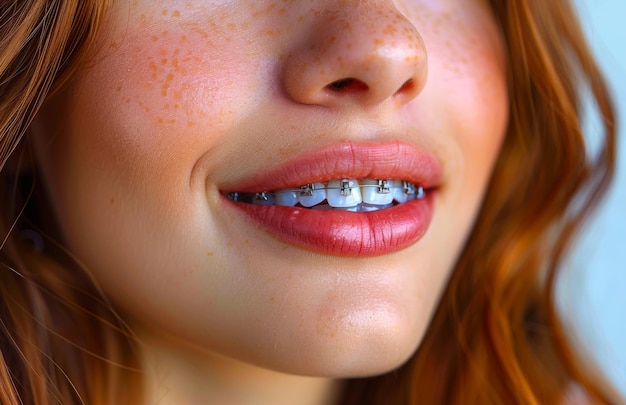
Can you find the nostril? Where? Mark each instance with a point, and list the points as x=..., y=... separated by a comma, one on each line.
x=341, y=84
x=408, y=86
x=347, y=85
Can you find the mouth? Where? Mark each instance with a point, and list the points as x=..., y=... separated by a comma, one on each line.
x=351, y=195
x=344, y=200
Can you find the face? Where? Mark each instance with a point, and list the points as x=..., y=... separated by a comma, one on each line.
x=191, y=114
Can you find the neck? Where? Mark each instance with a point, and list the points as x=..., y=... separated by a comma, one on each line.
x=177, y=375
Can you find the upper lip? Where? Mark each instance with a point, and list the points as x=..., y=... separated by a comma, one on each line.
x=390, y=160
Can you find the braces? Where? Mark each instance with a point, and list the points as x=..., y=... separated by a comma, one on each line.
x=346, y=186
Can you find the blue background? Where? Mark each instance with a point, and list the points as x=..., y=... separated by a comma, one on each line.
x=593, y=293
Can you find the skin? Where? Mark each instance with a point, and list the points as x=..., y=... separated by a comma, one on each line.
x=183, y=97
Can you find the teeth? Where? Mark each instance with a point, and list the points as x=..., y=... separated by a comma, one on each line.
x=343, y=193
x=399, y=191
x=350, y=209
x=379, y=193
x=286, y=198
x=371, y=208
x=311, y=194
x=368, y=195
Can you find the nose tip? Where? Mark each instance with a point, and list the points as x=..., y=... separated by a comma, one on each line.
x=357, y=52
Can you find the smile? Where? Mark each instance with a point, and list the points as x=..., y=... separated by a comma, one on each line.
x=310, y=200
x=366, y=195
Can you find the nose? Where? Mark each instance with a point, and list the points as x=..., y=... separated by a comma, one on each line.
x=355, y=52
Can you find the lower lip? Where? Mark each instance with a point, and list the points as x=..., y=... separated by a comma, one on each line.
x=341, y=233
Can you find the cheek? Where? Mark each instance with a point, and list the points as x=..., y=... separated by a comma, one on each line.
x=465, y=106
x=467, y=71
x=159, y=96
x=131, y=129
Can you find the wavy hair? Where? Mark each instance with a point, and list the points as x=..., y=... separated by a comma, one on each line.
x=60, y=340
x=496, y=337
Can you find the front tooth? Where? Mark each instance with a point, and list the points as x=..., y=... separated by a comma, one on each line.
x=286, y=198
x=372, y=193
x=343, y=193
x=312, y=195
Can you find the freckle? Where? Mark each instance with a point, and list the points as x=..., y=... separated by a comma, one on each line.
x=164, y=12
x=379, y=41
x=154, y=38
x=272, y=299
x=176, y=106
x=210, y=254
x=229, y=244
x=160, y=120
x=119, y=88
x=203, y=34
x=164, y=61
x=183, y=38
x=152, y=66
x=176, y=13
x=190, y=124
x=231, y=26
x=390, y=29
x=112, y=201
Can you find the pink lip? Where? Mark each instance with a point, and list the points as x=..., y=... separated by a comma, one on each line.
x=345, y=233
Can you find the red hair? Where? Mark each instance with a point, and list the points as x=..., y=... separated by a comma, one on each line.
x=496, y=336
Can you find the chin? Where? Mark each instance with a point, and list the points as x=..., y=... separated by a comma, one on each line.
x=351, y=348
